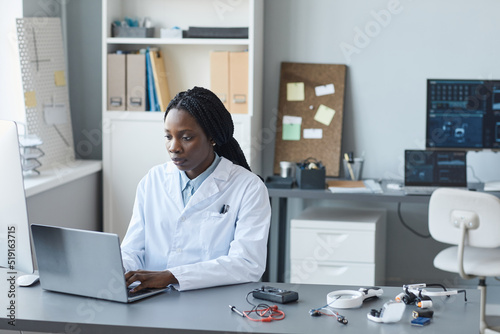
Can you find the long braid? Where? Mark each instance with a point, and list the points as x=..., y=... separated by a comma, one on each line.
x=213, y=117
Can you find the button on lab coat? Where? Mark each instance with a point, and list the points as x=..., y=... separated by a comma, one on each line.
x=201, y=246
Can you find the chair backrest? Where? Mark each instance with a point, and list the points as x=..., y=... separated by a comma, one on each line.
x=448, y=206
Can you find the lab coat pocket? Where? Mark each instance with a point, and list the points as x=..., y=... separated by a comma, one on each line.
x=216, y=233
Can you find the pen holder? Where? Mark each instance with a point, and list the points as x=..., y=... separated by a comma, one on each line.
x=310, y=178
x=353, y=171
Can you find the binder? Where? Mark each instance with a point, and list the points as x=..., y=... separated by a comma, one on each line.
x=116, y=81
x=238, y=82
x=152, y=101
x=219, y=75
x=160, y=79
x=136, y=82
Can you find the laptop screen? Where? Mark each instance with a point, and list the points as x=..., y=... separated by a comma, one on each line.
x=435, y=168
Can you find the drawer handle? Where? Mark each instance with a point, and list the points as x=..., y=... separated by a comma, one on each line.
x=334, y=270
x=332, y=240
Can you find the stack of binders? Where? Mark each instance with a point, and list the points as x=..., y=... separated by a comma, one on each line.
x=229, y=79
x=137, y=81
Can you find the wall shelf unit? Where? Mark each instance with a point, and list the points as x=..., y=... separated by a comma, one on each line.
x=133, y=141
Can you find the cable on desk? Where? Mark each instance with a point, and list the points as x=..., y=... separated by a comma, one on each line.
x=474, y=173
x=408, y=227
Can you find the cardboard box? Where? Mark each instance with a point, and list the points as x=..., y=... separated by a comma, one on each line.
x=136, y=82
x=219, y=75
x=116, y=81
x=238, y=82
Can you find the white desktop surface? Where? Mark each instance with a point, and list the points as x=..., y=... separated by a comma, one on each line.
x=58, y=175
x=207, y=310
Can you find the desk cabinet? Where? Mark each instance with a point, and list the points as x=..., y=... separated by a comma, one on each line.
x=338, y=246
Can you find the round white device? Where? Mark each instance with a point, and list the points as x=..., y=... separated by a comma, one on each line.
x=351, y=298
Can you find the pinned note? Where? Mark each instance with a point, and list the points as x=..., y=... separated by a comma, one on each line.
x=313, y=133
x=59, y=78
x=55, y=114
x=295, y=91
x=291, y=127
x=324, y=90
x=30, y=99
x=324, y=115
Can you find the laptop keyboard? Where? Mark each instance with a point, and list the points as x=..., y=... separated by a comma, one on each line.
x=138, y=293
x=419, y=189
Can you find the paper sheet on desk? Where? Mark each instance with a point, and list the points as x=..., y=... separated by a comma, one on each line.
x=365, y=186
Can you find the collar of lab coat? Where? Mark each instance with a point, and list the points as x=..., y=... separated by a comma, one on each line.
x=211, y=186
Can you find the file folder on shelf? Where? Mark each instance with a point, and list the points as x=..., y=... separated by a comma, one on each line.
x=219, y=75
x=160, y=79
x=136, y=82
x=238, y=82
x=116, y=82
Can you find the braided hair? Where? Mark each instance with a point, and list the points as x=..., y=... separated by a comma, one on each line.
x=214, y=119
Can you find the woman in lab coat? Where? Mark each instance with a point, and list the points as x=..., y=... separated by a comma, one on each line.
x=201, y=219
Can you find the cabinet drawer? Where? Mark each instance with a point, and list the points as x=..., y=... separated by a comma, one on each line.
x=338, y=273
x=331, y=245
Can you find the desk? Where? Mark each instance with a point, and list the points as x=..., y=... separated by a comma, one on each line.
x=388, y=195
x=207, y=310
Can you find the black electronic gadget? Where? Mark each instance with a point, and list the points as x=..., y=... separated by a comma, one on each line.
x=275, y=295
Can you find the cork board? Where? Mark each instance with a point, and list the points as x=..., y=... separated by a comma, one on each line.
x=305, y=95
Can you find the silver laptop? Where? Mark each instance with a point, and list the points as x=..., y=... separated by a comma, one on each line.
x=425, y=171
x=67, y=257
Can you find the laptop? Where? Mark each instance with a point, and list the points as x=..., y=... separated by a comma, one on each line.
x=425, y=171
x=67, y=257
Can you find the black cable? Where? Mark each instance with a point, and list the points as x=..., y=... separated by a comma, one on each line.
x=408, y=227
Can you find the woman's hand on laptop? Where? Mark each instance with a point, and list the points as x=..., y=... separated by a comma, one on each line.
x=150, y=279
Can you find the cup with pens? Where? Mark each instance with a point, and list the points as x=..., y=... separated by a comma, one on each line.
x=353, y=167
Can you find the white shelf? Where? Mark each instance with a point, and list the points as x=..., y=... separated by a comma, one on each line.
x=177, y=41
x=134, y=115
x=54, y=177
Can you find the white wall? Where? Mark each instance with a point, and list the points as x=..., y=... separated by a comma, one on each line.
x=11, y=90
x=390, y=47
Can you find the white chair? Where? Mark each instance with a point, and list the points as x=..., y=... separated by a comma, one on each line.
x=470, y=220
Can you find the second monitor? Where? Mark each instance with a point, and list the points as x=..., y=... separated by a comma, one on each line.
x=463, y=114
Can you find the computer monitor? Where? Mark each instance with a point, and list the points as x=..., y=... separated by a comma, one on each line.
x=15, y=253
x=463, y=114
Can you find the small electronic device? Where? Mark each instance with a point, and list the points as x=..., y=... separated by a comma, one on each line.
x=275, y=295
x=351, y=298
x=420, y=321
x=415, y=294
x=390, y=312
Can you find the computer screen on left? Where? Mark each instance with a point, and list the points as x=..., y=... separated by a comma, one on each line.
x=15, y=253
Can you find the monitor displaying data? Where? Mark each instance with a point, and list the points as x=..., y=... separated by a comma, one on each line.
x=463, y=114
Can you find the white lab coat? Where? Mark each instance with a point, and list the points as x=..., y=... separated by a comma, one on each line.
x=198, y=244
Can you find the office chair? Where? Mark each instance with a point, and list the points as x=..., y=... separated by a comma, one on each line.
x=471, y=221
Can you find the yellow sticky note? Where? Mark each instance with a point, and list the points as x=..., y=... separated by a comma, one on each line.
x=295, y=91
x=59, y=78
x=30, y=99
x=324, y=114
